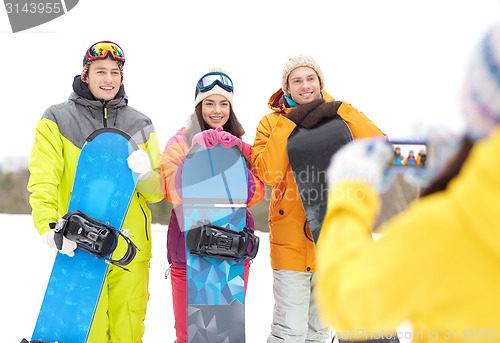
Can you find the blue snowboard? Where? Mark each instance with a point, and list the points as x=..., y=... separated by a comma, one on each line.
x=103, y=188
x=214, y=188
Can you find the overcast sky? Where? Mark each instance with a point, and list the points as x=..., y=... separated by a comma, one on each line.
x=400, y=62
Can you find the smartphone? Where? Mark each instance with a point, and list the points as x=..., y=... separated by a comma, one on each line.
x=409, y=156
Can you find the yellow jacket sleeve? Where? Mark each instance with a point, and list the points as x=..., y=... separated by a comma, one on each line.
x=151, y=187
x=435, y=264
x=52, y=166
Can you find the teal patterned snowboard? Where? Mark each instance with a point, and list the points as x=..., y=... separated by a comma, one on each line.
x=214, y=189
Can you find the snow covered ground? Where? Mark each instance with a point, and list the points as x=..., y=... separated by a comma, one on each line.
x=27, y=264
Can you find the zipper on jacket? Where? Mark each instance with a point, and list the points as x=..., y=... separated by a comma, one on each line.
x=104, y=115
x=145, y=218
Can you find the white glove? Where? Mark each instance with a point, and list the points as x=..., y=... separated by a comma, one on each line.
x=139, y=162
x=68, y=247
x=361, y=160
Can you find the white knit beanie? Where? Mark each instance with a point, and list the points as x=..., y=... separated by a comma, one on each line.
x=481, y=89
x=200, y=96
x=300, y=61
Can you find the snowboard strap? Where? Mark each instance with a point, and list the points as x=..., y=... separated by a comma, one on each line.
x=205, y=239
x=94, y=237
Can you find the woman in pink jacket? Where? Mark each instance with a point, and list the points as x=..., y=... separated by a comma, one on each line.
x=213, y=113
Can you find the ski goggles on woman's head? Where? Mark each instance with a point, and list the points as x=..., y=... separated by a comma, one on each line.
x=104, y=49
x=208, y=81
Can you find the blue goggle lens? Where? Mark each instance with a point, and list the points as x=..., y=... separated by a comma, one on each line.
x=208, y=81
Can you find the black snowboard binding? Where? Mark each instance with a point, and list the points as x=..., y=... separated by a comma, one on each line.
x=205, y=239
x=93, y=236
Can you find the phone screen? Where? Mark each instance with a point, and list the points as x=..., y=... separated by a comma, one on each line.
x=408, y=155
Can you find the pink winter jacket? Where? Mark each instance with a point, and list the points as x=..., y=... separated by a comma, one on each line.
x=172, y=159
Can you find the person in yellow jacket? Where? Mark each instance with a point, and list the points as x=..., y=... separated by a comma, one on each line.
x=300, y=101
x=98, y=100
x=437, y=263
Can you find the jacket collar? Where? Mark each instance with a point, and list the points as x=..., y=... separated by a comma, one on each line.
x=277, y=101
x=82, y=91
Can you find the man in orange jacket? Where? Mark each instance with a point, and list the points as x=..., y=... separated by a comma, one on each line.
x=300, y=102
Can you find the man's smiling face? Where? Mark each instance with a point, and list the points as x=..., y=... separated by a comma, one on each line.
x=104, y=79
x=304, y=85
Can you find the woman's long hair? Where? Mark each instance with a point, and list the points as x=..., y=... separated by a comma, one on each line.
x=451, y=169
x=233, y=125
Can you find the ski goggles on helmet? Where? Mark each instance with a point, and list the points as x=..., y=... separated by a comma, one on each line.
x=208, y=81
x=104, y=49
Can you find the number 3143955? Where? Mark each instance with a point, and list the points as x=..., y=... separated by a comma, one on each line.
x=33, y=8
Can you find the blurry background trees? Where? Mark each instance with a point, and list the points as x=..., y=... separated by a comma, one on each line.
x=14, y=199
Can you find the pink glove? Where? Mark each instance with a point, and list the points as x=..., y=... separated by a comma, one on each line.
x=207, y=138
x=226, y=139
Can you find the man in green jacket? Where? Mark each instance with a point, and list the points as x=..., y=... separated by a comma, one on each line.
x=98, y=100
